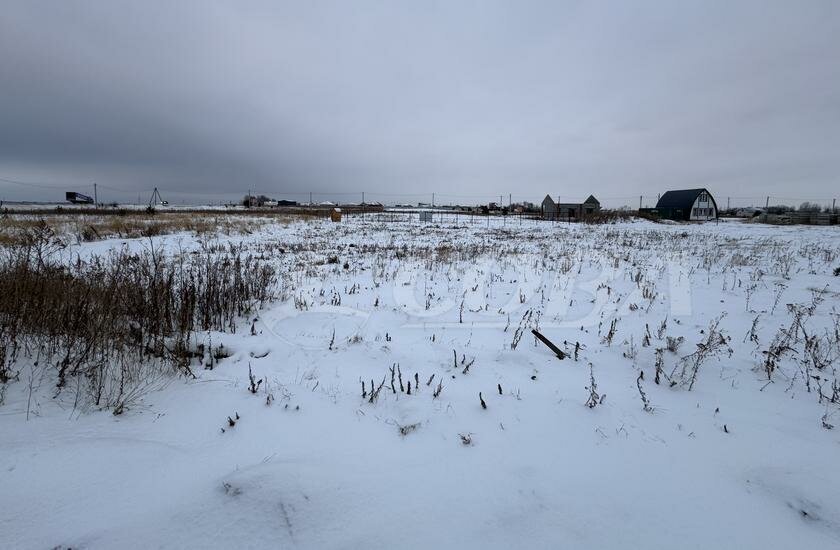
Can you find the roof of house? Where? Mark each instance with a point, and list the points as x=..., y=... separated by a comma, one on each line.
x=548, y=198
x=682, y=198
x=591, y=200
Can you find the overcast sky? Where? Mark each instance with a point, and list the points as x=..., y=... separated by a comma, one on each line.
x=470, y=100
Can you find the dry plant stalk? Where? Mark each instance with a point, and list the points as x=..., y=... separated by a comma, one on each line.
x=112, y=318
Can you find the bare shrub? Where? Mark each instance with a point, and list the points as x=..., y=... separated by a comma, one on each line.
x=608, y=338
x=673, y=344
x=105, y=318
x=408, y=428
x=595, y=398
x=645, y=401
x=253, y=383
x=713, y=345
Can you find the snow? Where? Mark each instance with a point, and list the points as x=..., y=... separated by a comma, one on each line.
x=734, y=463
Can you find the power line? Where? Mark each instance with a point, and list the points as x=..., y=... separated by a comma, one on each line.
x=133, y=190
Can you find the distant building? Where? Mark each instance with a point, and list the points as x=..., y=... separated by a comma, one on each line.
x=77, y=198
x=569, y=211
x=748, y=212
x=685, y=205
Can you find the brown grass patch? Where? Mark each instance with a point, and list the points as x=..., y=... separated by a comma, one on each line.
x=132, y=225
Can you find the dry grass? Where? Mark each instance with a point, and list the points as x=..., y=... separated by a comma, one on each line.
x=82, y=228
x=114, y=322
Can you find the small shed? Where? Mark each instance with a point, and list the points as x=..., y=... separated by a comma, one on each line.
x=335, y=215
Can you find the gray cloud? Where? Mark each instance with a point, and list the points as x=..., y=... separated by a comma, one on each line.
x=467, y=99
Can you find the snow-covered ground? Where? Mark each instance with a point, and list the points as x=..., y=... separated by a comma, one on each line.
x=741, y=460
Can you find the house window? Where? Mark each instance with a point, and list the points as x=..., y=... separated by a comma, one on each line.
x=704, y=197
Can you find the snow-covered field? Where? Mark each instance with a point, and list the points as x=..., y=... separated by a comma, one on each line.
x=745, y=458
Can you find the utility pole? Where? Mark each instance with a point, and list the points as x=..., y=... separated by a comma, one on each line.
x=433, y=199
x=510, y=200
x=727, y=203
x=833, y=205
x=155, y=198
x=95, y=196
x=767, y=203
x=640, y=202
x=363, y=197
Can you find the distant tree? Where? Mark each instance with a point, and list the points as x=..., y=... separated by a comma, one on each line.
x=809, y=207
x=779, y=209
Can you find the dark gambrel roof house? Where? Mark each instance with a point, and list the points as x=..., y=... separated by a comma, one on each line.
x=686, y=205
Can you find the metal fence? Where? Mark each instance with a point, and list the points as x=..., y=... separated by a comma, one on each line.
x=800, y=218
x=430, y=217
